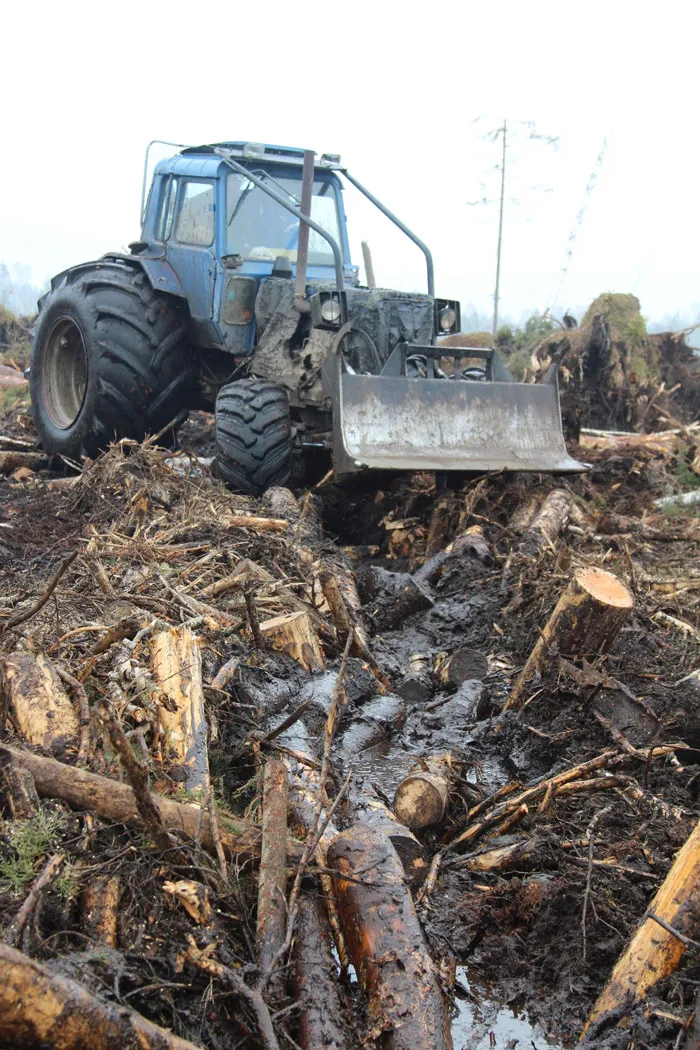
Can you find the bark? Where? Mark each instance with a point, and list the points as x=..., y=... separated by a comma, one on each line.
x=41, y=1009
x=41, y=706
x=272, y=879
x=417, y=684
x=100, y=908
x=471, y=544
x=438, y=530
x=654, y=952
x=115, y=801
x=323, y=1012
x=406, y=1010
x=421, y=798
x=524, y=515
x=18, y=788
x=376, y=721
x=371, y=813
x=393, y=596
x=10, y=461
x=177, y=671
x=586, y=621
x=522, y=855
x=547, y=525
x=294, y=635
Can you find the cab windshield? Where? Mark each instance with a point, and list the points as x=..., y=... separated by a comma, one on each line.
x=259, y=229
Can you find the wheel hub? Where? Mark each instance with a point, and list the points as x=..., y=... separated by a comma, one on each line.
x=65, y=373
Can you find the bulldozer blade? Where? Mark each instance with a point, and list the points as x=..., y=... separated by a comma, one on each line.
x=395, y=423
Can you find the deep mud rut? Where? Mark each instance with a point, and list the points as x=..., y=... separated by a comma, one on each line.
x=522, y=952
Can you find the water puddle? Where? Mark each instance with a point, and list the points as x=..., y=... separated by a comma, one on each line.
x=486, y=1025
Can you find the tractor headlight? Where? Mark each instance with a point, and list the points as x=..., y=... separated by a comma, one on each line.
x=330, y=311
x=447, y=319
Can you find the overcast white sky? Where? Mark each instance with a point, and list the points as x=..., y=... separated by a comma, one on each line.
x=395, y=88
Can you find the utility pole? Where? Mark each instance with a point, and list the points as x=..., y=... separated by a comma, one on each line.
x=496, y=294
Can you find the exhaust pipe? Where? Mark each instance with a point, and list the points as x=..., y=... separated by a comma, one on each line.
x=307, y=187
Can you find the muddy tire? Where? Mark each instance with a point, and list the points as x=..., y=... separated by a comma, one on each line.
x=253, y=436
x=110, y=359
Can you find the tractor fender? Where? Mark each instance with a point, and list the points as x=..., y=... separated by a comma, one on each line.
x=160, y=274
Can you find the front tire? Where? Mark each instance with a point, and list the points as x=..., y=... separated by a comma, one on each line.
x=253, y=436
x=110, y=359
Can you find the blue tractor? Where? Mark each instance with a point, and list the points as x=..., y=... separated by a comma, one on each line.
x=241, y=295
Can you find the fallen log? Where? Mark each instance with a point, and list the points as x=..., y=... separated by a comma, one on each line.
x=421, y=798
x=100, y=908
x=376, y=720
x=372, y=813
x=323, y=1013
x=406, y=1010
x=471, y=544
x=294, y=635
x=41, y=706
x=521, y=854
x=586, y=620
x=661, y=939
x=547, y=524
x=524, y=515
x=272, y=877
x=177, y=671
x=391, y=597
x=10, y=461
x=41, y=1009
x=465, y=663
x=17, y=789
x=416, y=684
x=115, y=801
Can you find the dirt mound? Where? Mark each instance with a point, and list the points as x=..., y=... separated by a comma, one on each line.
x=613, y=375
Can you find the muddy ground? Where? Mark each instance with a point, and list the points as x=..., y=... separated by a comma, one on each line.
x=516, y=957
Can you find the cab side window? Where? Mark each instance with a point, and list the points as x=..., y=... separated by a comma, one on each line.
x=167, y=209
x=195, y=215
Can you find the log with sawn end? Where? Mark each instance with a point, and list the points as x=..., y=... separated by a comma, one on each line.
x=586, y=620
x=40, y=705
x=421, y=798
x=406, y=1009
x=294, y=635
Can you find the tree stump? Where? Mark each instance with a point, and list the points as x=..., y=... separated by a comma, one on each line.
x=586, y=621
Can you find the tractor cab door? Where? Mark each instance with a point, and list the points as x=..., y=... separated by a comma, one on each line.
x=190, y=245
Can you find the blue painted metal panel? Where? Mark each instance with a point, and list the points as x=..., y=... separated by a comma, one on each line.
x=161, y=275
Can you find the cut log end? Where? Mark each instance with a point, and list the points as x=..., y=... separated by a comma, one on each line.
x=604, y=587
x=293, y=634
x=419, y=803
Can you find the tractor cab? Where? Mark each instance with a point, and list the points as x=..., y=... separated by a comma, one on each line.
x=208, y=221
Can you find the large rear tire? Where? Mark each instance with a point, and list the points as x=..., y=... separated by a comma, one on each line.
x=110, y=359
x=253, y=436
